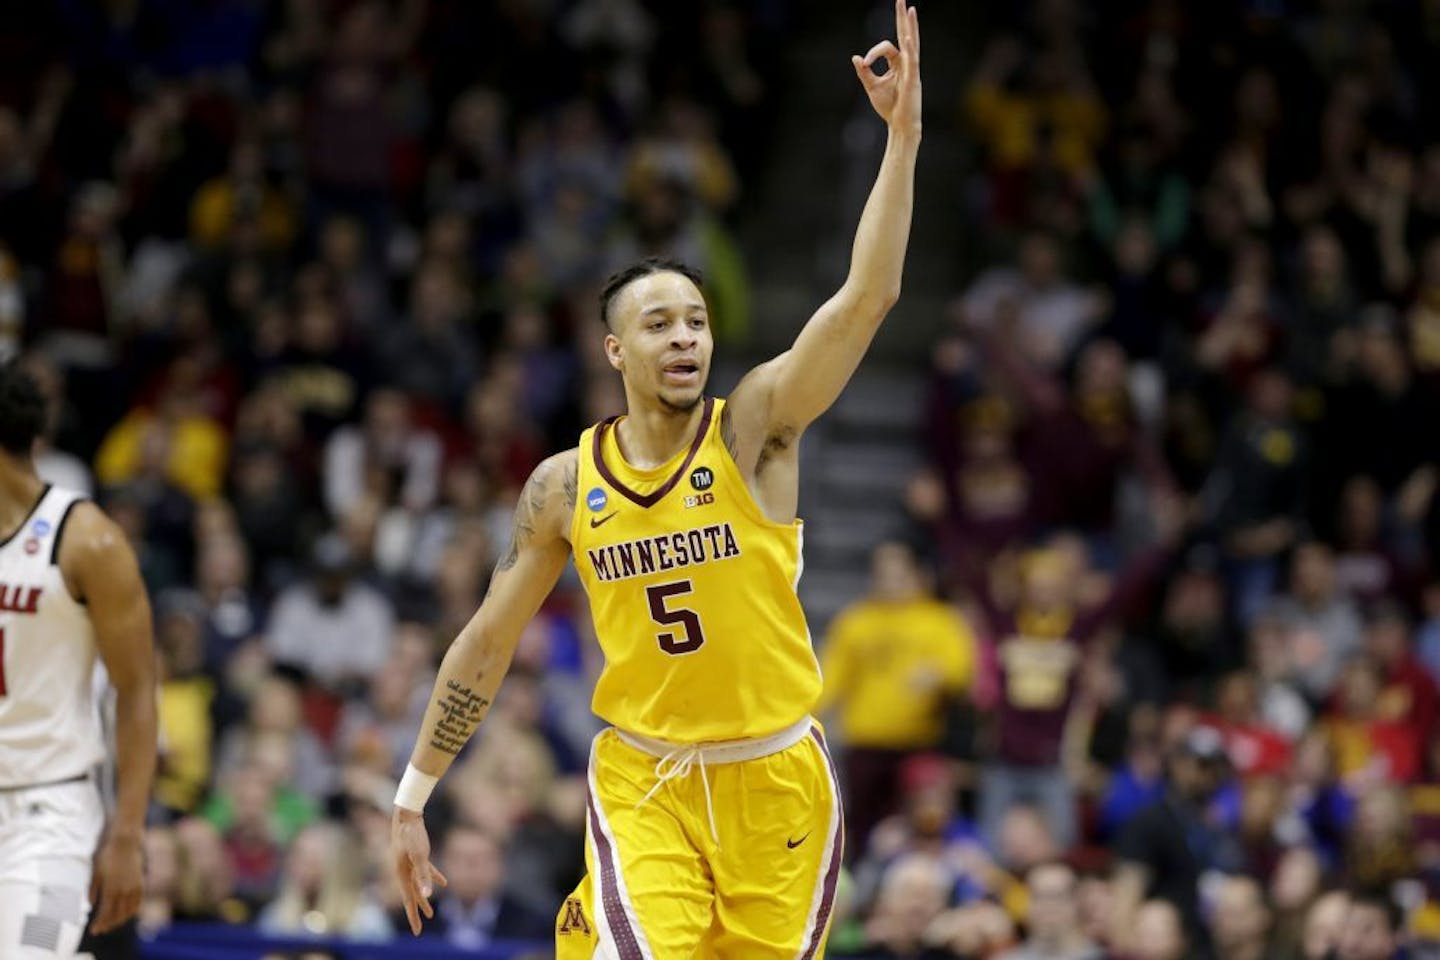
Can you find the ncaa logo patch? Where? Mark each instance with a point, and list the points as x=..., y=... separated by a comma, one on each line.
x=702, y=478
x=596, y=500
x=40, y=527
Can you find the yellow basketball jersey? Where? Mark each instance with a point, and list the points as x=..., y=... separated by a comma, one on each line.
x=692, y=590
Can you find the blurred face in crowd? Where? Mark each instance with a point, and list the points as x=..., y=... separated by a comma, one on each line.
x=1322, y=255
x=1025, y=839
x=912, y=894
x=1367, y=934
x=473, y=865
x=1095, y=900
x=1360, y=508
x=1053, y=912
x=1313, y=575
x=1323, y=924
x=1158, y=934
x=895, y=576
x=1296, y=880
x=1387, y=637
x=1048, y=582
x=1040, y=260
x=1196, y=778
x=660, y=340
x=1102, y=369
x=1360, y=688
x=1241, y=920
x=309, y=855
x=1271, y=395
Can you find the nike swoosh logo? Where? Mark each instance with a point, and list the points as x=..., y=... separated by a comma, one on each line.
x=609, y=516
x=792, y=844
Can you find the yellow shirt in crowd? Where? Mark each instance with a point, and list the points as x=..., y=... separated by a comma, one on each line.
x=888, y=668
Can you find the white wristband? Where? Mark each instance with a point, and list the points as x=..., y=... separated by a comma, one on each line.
x=415, y=788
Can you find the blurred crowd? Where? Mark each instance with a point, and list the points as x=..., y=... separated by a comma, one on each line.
x=1154, y=672
x=311, y=287
x=1179, y=697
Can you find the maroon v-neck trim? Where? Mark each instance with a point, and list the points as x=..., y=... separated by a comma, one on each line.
x=650, y=499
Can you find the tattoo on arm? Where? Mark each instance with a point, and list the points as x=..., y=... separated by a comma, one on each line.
x=462, y=709
x=570, y=484
x=727, y=434
x=527, y=515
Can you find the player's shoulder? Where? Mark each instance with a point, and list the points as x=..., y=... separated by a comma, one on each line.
x=88, y=530
x=553, y=485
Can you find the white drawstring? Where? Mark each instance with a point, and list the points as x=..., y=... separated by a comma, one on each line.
x=677, y=764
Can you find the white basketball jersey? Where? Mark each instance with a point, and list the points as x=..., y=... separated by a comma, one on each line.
x=49, y=725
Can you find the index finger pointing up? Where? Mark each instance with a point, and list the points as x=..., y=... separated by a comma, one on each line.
x=902, y=22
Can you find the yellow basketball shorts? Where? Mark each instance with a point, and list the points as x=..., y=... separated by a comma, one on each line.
x=662, y=885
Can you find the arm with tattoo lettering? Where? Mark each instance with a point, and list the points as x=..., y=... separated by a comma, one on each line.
x=527, y=570
x=477, y=661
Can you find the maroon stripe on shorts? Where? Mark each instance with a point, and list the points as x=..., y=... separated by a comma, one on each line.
x=832, y=875
x=618, y=921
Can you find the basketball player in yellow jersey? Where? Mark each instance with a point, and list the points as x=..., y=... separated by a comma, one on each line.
x=714, y=823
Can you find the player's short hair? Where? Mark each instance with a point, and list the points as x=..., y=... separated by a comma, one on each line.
x=22, y=410
x=621, y=279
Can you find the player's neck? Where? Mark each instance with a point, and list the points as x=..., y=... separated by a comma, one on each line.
x=651, y=435
x=20, y=487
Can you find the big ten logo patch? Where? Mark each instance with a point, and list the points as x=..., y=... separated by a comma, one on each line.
x=572, y=917
x=699, y=500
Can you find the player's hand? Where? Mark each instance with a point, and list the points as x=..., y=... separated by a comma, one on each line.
x=410, y=855
x=896, y=95
x=118, y=882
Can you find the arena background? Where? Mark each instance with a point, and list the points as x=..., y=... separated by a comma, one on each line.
x=311, y=287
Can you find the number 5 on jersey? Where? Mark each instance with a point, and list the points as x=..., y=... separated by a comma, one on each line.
x=658, y=595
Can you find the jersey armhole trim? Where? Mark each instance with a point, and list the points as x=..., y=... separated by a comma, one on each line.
x=60, y=530
x=34, y=508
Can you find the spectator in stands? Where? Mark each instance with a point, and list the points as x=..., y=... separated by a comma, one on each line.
x=1034, y=308
x=1159, y=933
x=1052, y=922
x=1240, y=920
x=1041, y=638
x=162, y=875
x=335, y=628
x=1373, y=929
x=187, y=694
x=1166, y=848
x=1324, y=624
x=389, y=457
x=912, y=895
x=473, y=910
x=1324, y=924
x=275, y=720
x=1255, y=495
x=322, y=892
x=893, y=663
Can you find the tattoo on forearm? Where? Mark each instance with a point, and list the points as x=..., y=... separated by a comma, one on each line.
x=461, y=709
x=527, y=514
x=727, y=434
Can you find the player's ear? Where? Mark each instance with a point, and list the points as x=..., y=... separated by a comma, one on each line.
x=614, y=352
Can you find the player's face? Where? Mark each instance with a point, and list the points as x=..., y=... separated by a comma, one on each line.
x=661, y=342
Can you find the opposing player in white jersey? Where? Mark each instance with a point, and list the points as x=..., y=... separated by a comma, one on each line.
x=70, y=590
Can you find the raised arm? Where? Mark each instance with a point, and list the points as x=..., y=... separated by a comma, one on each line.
x=100, y=569
x=793, y=389
x=478, y=660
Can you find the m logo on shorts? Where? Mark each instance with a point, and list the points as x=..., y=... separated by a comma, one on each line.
x=574, y=917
